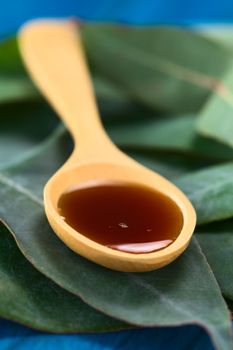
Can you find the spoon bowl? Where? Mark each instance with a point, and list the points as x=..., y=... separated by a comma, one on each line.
x=54, y=58
x=88, y=174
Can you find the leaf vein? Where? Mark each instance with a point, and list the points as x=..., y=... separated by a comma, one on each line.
x=21, y=189
x=153, y=290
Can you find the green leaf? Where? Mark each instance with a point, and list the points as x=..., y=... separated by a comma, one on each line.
x=23, y=126
x=15, y=89
x=114, y=103
x=175, y=134
x=215, y=119
x=170, y=158
x=211, y=192
x=10, y=60
x=109, y=91
x=166, y=68
x=14, y=83
x=34, y=171
x=182, y=293
x=28, y=297
x=219, y=33
x=217, y=243
x=168, y=164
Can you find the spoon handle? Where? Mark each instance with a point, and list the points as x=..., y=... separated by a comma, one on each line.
x=53, y=54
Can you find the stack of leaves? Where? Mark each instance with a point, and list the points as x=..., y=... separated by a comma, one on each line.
x=166, y=98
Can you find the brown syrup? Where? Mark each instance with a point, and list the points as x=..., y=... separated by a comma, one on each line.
x=126, y=217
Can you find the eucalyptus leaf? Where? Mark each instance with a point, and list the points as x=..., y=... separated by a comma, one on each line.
x=218, y=107
x=216, y=241
x=211, y=192
x=215, y=119
x=114, y=103
x=23, y=126
x=10, y=60
x=110, y=92
x=166, y=68
x=220, y=33
x=177, y=134
x=34, y=171
x=15, y=89
x=169, y=158
x=28, y=297
x=181, y=293
x=14, y=83
x=168, y=164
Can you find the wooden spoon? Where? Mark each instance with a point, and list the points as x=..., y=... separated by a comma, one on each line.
x=54, y=57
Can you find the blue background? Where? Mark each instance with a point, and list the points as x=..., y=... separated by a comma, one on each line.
x=185, y=12
x=14, y=12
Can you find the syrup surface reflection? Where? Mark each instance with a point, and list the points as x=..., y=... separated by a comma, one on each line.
x=121, y=216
